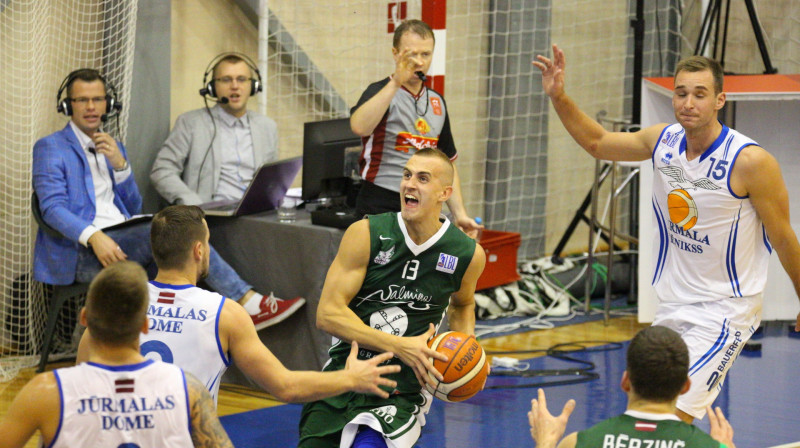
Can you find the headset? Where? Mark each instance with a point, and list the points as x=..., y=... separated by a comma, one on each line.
x=209, y=83
x=209, y=90
x=64, y=103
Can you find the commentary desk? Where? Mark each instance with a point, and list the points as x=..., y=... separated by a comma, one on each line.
x=290, y=259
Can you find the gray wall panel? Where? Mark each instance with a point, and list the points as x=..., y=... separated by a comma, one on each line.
x=148, y=125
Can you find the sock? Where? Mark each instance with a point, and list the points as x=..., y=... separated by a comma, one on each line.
x=253, y=306
x=368, y=438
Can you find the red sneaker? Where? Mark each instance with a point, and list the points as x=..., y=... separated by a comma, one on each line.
x=275, y=310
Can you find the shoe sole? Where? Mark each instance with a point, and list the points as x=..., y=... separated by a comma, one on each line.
x=280, y=318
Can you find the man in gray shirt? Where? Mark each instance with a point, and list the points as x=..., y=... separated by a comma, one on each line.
x=212, y=154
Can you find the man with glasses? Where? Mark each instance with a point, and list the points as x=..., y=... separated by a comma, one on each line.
x=212, y=155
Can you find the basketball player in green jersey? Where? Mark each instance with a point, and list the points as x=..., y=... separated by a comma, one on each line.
x=389, y=288
x=657, y=372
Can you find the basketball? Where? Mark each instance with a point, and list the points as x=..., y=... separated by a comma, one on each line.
x=682, y=209
x=466, y=371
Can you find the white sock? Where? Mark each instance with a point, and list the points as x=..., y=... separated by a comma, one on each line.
x=253, y=306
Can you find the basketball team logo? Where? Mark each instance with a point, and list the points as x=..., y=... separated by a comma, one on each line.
x=447, y=263
x=405, y=141
x=679, y=180
x=682, y=209
x=671, y=139
x=392, y=320
x=422, y=126
x=436, y=103
x=384, y=256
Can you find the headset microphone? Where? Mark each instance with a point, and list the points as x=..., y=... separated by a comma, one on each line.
x=224, y=100
x=421, y=76
x=104, y=118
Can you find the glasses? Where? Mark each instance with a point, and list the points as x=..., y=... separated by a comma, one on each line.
x=228, y=79
x=84, y=101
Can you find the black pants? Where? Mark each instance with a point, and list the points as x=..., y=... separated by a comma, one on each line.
x=373, y=200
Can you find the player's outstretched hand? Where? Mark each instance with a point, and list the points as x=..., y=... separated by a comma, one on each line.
x=720, y=429
x=546, y=429
x=552, y=72
x=368, y=374
x=415, y=353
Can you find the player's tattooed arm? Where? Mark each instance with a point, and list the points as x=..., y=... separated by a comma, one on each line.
x=207, y=431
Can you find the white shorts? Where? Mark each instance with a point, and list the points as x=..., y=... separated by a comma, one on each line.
x=715, y=333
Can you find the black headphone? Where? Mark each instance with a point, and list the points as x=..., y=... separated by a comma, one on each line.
x=209, y=83
x=64, y=104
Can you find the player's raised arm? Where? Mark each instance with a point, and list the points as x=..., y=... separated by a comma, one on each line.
x=596, y=140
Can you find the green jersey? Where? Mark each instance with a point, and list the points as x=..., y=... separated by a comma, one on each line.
x=406, y=286
x=644, y=430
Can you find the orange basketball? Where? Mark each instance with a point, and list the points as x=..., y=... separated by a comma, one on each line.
x=465, y=371
x=682, y=209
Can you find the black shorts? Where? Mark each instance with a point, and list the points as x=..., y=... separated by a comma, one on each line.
x=373, y=200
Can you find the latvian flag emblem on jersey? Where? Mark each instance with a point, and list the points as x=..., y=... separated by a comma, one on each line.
x=122, y=386
x=645, y=426
x=167, y=298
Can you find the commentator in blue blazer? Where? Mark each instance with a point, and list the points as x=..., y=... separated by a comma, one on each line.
x=84, y=183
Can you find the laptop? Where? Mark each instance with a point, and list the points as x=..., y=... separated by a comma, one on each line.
x=265, y=192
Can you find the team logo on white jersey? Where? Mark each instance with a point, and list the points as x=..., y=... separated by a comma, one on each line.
x=667, y=158
x=680, y=180
x=447, y=263
x=671, y=139
x=682, y=209
x=384, y=256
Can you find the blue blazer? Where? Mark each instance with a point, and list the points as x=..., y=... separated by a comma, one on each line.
x=63, y=181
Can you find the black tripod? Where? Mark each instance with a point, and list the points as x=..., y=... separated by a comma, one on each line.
x=712, y=20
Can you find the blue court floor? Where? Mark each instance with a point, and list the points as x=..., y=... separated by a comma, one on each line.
x=761, y=399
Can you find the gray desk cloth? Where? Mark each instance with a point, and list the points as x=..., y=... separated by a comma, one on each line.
x=291, y=260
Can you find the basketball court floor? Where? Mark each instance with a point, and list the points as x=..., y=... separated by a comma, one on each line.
x=761, y=396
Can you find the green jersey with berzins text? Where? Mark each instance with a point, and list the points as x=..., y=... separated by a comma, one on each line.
x=634, y=429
